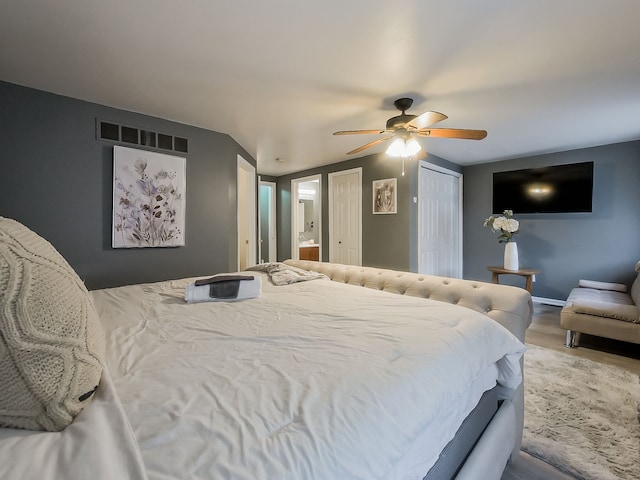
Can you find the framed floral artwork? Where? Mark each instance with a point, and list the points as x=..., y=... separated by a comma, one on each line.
x=148, y=199
x=385, y=196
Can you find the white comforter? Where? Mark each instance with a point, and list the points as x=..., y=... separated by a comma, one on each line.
x=98, y=445
x=315, y=380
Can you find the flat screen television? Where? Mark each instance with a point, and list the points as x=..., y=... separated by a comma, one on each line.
x=555, y=189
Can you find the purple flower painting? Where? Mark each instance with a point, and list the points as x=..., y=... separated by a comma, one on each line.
x=148, y=199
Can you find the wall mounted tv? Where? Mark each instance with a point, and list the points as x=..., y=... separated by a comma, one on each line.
x=555, y=189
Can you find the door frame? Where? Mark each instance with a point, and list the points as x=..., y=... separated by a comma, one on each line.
x=295, y=197
x=251, y=216
x=332, y=176
x=273, y=231
x=459, y=176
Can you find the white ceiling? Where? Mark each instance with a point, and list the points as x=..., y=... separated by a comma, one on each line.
x=280, y=76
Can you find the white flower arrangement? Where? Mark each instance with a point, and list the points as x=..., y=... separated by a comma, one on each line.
x=505, y=224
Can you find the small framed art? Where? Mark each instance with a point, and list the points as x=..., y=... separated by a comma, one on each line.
x=385, y=196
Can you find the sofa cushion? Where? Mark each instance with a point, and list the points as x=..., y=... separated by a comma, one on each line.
x=635, y=287
x=593, y=295
x=51, y=342
x=625, y=313
x=602, y=285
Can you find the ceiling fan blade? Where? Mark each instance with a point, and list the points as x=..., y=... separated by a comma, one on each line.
x=370, y=144
x=361, y=132
x=461, y=133
x=426, y=120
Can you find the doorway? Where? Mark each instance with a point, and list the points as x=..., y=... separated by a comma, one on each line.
x=246, y=214
x=306, y=217
x=345, y=217
x=439, y=221
x=267, y=243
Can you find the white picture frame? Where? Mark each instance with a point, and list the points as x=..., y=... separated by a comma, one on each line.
x=149, y=193
x=385, y=196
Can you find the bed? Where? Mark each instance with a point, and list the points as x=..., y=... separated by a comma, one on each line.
x=316, y=378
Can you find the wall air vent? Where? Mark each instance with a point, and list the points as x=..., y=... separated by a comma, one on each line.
x=114, y=132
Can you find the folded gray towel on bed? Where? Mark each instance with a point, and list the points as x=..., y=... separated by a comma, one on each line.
x=223, y=288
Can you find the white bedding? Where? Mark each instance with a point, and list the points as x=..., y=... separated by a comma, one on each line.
x=314, y=380
x=98, y=445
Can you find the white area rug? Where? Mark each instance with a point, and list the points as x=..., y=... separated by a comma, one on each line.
x=581, y=416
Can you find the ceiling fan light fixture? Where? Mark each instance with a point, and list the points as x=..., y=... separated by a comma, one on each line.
x=401, y=147
x=396, y=148
x=412, y=147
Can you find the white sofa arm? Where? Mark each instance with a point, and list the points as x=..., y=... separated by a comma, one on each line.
x=615, y=287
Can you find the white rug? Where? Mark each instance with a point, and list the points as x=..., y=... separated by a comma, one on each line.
x=581, y=416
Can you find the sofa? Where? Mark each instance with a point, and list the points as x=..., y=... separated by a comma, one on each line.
x=604, y=309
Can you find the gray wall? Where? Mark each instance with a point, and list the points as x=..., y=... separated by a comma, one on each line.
x=388, y=241
x=57, y=179
x=603, y=245
x=565, y=247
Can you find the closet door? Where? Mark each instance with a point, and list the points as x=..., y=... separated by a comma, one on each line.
x=440, y=222
x=345, y=217
x=247, y=217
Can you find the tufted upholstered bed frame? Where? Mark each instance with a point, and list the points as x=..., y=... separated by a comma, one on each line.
x=510, y=306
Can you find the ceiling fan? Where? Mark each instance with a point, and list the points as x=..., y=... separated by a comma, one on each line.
x=404, y=128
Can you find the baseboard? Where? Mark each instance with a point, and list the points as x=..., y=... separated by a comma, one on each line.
x=548, y=301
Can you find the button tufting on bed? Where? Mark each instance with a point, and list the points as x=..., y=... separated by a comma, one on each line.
x=509, y=306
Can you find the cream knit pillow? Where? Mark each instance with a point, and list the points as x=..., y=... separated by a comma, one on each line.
x=51, y=342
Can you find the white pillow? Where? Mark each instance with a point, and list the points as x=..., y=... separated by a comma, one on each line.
x=51, y=342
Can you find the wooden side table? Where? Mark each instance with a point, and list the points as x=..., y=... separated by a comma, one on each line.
x=528, y=273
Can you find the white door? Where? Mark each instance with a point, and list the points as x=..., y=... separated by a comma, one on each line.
x=246, y=213
x=439, y=222
x=345, y=217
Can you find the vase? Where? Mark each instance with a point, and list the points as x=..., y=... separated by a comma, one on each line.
x=511, y=256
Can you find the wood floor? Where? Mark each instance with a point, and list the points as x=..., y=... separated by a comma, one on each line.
x=545, y=331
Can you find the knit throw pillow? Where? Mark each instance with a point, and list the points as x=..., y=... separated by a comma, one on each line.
x=51, y=342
